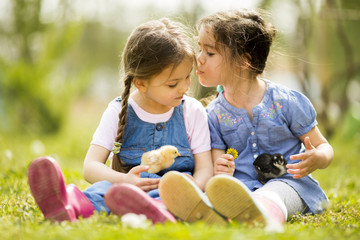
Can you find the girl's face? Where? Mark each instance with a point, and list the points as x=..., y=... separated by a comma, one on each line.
x=211, y=67
x=166, y=90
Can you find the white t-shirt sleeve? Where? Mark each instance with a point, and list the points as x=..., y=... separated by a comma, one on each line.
x=105, y=133
x=196, y=124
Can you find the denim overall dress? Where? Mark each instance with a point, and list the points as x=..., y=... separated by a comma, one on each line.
x=141, y=137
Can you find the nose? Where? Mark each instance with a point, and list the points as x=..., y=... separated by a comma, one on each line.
x=200, y=58
x=184, y=85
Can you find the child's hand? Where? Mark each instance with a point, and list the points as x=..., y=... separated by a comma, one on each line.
x=224, y=165
x=146, y=184
x=310, y=161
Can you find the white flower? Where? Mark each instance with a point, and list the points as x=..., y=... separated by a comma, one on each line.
x=8, y=154
x=133, y=220
x=37, y=147
x=274, y=227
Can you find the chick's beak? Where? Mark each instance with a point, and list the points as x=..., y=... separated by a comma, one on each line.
x=178, y=154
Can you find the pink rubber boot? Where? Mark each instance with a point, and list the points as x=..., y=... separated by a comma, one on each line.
x=80, y=203
x=56, y=201
x=126, y=198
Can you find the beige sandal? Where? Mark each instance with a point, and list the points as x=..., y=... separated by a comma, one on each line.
x=231, y=198
x=186, y=201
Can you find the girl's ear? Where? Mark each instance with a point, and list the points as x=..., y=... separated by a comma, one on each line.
x=140, y=84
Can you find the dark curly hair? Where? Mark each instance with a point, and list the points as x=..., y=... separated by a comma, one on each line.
x=244, y=33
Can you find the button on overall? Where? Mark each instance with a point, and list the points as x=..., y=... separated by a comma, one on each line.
x=159, y=127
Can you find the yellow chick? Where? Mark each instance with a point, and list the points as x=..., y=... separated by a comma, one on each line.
x=160, y=159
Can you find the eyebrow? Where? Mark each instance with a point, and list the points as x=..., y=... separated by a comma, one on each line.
x=207, y=45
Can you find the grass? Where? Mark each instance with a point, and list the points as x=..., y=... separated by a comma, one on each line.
x=20, y=218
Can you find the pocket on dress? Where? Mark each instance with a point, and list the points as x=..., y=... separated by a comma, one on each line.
x=184, y=162
x=232, y=138
x=279, y=134
x=132, y=156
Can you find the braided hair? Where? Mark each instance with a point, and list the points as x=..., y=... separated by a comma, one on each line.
x=151, y=48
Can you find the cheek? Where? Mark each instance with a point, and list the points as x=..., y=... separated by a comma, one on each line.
x=206, y=83
x=170, y=95
x=162, y=96
x=188, y=82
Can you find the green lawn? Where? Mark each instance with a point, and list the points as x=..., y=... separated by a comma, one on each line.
x=20, y=218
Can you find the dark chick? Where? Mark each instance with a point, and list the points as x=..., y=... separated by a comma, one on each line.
x=269, y=166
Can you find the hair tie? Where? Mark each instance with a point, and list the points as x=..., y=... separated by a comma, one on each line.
x=116, y=148
x=219, y=88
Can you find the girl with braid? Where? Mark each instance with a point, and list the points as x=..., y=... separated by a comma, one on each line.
x=157, y=60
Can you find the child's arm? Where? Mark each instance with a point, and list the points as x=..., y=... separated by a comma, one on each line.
x=203, y=168
x=223, y=163
x=95, y=170
x=318, y=154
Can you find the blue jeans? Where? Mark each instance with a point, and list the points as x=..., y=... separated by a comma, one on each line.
x=96, y=192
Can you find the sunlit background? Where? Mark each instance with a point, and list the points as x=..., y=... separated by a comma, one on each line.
x=59, y=60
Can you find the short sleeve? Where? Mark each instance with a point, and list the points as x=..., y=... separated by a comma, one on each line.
x=105, y=133
x=215, y=135
x=196, y=125
x=301, y=113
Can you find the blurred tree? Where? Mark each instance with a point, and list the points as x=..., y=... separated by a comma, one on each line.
x=327, y=35
x=34, y=87
x=45, y=63
x=190, y=15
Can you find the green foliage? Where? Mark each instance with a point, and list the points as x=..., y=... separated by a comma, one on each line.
x=326, y=39
x=34, y=91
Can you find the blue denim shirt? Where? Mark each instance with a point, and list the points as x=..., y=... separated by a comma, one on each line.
x=141, y=137
x=282, y=116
